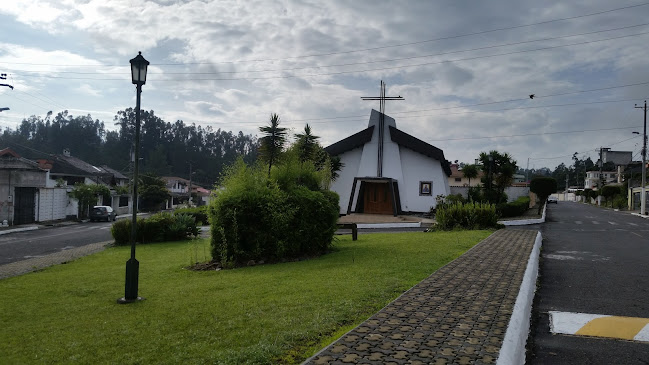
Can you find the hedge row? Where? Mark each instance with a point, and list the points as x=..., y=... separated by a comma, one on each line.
x=514, y=209
x=156, y=228
x=467, y=216
x=199, y=214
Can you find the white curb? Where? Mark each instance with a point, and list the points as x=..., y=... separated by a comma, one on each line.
x=30, y=228
x=513, y=348
x=524, y=222
x=388, y=225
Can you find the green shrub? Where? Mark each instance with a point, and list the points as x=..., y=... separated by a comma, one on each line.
x=620, y=202
x=199, y=214
x=514, y=209
x=467, y=216
x=156, y=228
x=288, y=216
x=121, y=231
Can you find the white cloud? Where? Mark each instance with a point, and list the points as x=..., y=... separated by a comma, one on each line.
x=245, y=60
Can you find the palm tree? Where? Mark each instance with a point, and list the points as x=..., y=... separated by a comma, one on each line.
x=470, y=172
x=306, y=144
x=273, y=141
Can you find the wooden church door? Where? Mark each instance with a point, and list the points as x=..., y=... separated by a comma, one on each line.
x=377, y=199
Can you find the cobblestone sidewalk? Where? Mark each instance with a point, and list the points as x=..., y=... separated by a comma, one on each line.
x=458, y=315
x=37, y=263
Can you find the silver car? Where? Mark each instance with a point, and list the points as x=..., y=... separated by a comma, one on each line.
x=102, y=212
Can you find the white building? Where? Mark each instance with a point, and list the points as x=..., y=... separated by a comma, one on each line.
x=388, y=171
x=592, y=178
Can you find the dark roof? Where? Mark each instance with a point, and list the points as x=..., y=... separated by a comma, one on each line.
x=351, y=142
x=417, y=145
x=116, y=174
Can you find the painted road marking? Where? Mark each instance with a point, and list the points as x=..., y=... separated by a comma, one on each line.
x=612, y=223
x=633, y=224
x=595, y=222
x=577, y=222
x=600, y=325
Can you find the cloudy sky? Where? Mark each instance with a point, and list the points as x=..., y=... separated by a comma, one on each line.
x=465, y=68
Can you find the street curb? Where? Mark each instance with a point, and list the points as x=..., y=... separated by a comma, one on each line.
x=388, y=225
x=524, y=222
x=513, y=348
x=640, y=215
x=14, y=230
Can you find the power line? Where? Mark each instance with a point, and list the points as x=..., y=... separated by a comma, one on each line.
x=534, y=134
x=588, y=151
x=347, y=64
x=348, y=72
x=374, y=48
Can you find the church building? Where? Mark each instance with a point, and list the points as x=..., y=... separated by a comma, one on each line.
x=387, y=171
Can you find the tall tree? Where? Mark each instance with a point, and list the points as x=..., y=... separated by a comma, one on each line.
x=306, y=144
x=272, y=143
x=470, y=172
x=500, y=168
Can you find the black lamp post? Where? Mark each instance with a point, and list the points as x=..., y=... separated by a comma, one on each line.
x=138, y=76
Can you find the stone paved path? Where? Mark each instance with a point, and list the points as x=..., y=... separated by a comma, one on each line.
x=37, y=263
x=458, y=315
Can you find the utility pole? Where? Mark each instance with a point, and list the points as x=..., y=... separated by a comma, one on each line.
x=599, y=181
x=643, y=199
x=189, y=201
x=4, y=77
x=527, y=172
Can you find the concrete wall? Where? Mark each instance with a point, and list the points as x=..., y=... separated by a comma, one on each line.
x=343, y=184
x=513, y=192
x=9, y=180
x=416, y=168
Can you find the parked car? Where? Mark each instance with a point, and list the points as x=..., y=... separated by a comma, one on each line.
x=102, y=212
x=553, y=199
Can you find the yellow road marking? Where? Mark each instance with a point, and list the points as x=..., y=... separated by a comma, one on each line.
x=615, y=327
x=600, y=325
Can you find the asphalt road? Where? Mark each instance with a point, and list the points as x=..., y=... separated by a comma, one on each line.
x=594, y=261
x=19, y=246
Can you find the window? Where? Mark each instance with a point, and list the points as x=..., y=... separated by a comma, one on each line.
x=123, y=201
x=458, y=179
x=426, y=188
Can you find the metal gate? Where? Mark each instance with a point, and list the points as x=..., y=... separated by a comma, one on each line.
x=24, y=205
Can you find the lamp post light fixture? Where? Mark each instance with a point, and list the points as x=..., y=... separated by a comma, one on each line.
x=138, y=76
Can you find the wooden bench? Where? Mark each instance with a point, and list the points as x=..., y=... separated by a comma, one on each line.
x=351, y=226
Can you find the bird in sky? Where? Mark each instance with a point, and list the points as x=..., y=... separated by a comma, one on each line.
x=531, y=96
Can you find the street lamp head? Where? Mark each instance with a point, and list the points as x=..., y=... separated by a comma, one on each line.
x=635, y=132
x=138, y=69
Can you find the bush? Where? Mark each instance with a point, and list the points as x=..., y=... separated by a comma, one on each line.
x=121, y=231
x=620, y=202
x=467, y=216
x=199, y=214
x=288, y=216
x=156, y=228
x=514, y=209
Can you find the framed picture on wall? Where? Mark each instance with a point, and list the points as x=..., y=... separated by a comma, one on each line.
x=425, y=188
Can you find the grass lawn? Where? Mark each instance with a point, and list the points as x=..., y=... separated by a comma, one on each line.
x=262, y=314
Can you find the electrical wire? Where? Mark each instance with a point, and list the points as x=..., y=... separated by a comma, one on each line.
x=380, y=47
x=347, y=72
x=344, y=64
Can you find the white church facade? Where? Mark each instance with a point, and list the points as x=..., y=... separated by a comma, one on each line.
x=387, y=171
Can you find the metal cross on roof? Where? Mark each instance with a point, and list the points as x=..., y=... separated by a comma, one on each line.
x=382, y=99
